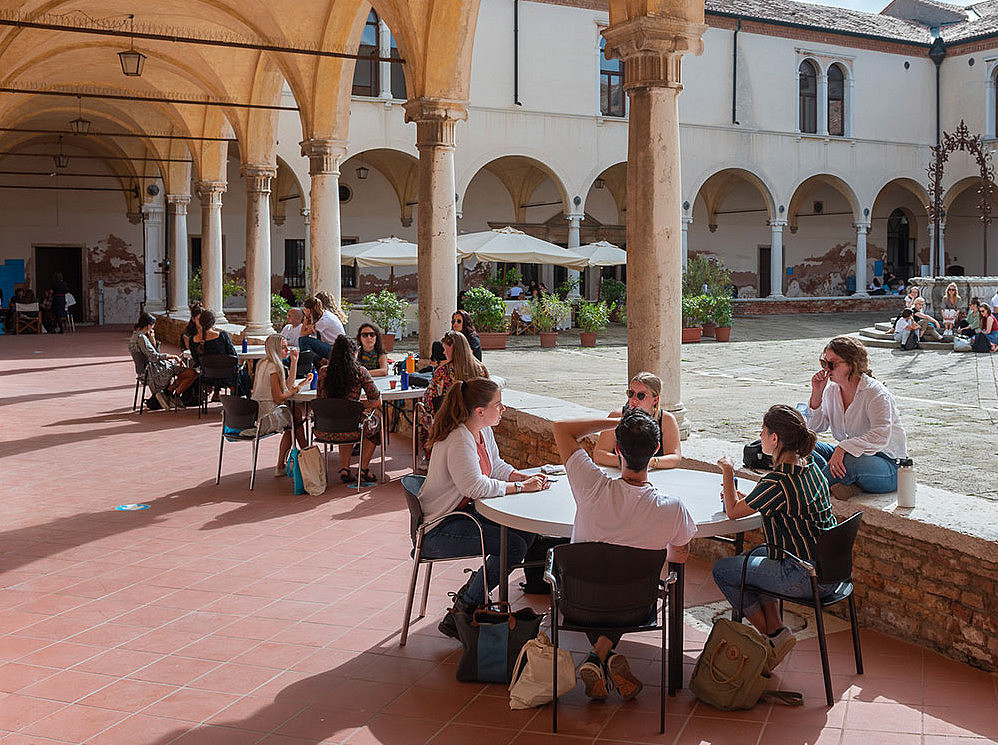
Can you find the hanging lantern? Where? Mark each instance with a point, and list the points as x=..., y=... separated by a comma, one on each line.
x=131, y=61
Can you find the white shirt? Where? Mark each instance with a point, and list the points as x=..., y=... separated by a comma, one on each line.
x=869, y=426
x=455, y=473
x=262, y=393
x=515, y=292
x=291, y=333
x=610, y=510
x=994, y=302
x=329, y=327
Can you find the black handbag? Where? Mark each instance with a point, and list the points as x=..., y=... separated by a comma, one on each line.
x=492, y=638
x=753, y=457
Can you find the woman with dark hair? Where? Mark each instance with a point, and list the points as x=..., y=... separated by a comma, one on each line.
x=863, y=417
x=533, y=290
x=461, y=321
x=344, y=377
x=466, y=466
x=324, y=323
x=209, y=340
x=989, y=326
x=192, y=326
x=458, y=364
x=162, y=368
x=59, y=291
x=793, y=502
x=371, y=350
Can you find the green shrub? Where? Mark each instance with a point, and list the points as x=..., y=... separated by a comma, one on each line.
x=613, y=292
x=386, y=309
x=593, y=318
x=702, y=272
x=487, y=310
x=723, y=307
x=696, y=310
x=278, y=311
x=547, y=311
x=230, y=287
x=565, y=289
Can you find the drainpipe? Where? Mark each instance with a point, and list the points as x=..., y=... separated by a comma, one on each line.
x=516, y=53
x=937, y=53
x=734, y=74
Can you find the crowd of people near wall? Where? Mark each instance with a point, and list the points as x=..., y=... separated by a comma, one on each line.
x=971, y=326
x=53, y=306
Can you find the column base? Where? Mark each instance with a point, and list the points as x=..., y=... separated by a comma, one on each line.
x=258, y=330
x=155, y=306
x=682, y=419
x=776, y=295
x=861, y=294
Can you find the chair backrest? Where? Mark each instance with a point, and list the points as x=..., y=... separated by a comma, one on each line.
x=70, y=300
x=26, y=307
x=305, y=361
x=219, y=366
x=833, y=553
x=411, y=484
x=606, y=584
x=239, y=413
x=337, y=414
x=140, y=362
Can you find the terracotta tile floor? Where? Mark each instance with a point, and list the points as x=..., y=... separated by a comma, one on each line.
x=221, y=615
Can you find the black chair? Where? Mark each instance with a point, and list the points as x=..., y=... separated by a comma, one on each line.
x=607, y=589
x=420, y=409
x=832, y=566
x=417, y=529
x=141, y=379
x=217, y=371
x=238, y=415
x=306, y=360
x=344, y=417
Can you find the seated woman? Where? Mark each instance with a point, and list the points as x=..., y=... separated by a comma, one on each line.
x=971, y=322
x=345, y=377
x=458, y=365
x=209, y=340
x=911, y=296
x=466, y=466
x=794, y=505
x=460, y=321
x=320, y=328
x=989, y=326
x=273, y=388
x=162, y=368
x=192, y=326
x=371, y=350
x=904, y=328
x=951, y=308
x=643, y=393
x=863, y=417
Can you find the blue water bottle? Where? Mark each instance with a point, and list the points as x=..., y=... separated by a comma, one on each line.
x=404, y=380
x=723, y=508
x=245, y=345
x=315, y=378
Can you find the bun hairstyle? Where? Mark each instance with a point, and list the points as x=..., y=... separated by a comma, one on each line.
x=854, y=353
x=144, y=320
x=790, y=428
x=460, y=402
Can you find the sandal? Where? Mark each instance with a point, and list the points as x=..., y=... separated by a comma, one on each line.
x=345, y=476
x=367, y=476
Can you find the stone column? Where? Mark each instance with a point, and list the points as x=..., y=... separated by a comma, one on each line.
x=324, y=158
x=154, y=239
x=176, y=205
x=652, y=49
x=687, y=221
x=384, y=68
x=776, y=258
x=211, y=246
x=574, y=241
x=822, y=103
x=437, y=214
x=257, y=179
x=861, y=230
x=306, y=216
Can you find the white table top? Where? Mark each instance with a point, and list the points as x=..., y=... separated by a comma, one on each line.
x=253, y=352
x=552, y=511
x=384, y=386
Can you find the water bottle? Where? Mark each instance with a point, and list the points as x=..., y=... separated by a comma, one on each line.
x=315, y=378
x=245, y=345
x=906, y=483
x=723, y=508
x=410, y=364
x=404, y=379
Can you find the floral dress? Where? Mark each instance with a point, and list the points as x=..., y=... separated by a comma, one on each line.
x=443, y=378
x=371, y=418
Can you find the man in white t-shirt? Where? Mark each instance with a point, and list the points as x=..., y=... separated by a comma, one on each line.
x=994, y=301
x=626, y=511
x=292, y=328
x=515, y=292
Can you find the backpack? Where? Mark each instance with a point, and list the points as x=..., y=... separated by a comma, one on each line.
x=981, y=343
x=753, y=457
x=911, y=342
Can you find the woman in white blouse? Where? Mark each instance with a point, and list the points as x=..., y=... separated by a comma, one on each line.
x=466, y=466
x=863, y=417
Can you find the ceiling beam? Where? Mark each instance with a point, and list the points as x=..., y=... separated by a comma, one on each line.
x=147, y=99
x=116, y=134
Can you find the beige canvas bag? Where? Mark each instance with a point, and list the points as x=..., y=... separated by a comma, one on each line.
x=532, y=673
x=313, y=470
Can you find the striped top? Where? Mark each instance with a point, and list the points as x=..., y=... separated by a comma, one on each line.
x=794, y=504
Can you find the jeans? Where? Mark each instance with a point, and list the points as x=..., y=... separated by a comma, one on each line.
x=874, y=474
x=457, y=536
x=318, y=346
x=782, y=576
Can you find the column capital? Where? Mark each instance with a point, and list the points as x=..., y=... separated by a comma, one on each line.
x=279, y=219
x=436, y=119
x=777, y=224
x=570, y=216
x=177, y=203
x=862, y=227
x=257, y=177
x=151, y=209
x=324, y=156
x=211, y=192
x=652, y=49
x=687, y=221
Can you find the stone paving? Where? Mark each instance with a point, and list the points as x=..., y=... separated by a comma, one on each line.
x=948, y=401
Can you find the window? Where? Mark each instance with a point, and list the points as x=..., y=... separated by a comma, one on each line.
x=836, y=101
x=365, y=73
x=294, y=261
x=348, y=272
x=194, y=260
x=612, y=101
x=398, y=73
x=808, y=98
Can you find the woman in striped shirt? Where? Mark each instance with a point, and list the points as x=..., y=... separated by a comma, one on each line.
x=795, y=508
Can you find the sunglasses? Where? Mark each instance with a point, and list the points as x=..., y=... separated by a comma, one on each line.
x=828, y=364
x=368, y=334
x=639, y=395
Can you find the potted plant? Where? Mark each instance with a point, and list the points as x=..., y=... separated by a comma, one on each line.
x=278, y=311
x=722, y=317
x=593, y=318
x=693, y=315
x=708, y=327
x=547, y=313
x=488, y=312
x=387, y=310
x=614, y=293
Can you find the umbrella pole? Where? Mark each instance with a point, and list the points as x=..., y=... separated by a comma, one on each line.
x=391, y=279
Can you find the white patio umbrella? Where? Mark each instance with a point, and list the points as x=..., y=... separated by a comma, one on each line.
x=602, y=253
x=382, y=252
x=512, y=245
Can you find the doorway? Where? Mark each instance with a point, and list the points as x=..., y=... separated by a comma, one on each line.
x=67, y=260
x=765, y=262
x=900, y=249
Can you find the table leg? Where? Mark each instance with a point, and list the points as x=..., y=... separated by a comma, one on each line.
x=503, y=563
x=676, y=630
x=739, y=543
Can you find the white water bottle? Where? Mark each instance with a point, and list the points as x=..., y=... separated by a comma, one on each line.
x=906, y=483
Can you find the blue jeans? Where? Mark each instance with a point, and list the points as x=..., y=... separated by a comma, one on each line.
x=457, y=536
x=874, y=474
x=318, y=346
x=784, y=577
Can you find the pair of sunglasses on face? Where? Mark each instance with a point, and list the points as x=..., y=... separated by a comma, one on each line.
x=639, y=395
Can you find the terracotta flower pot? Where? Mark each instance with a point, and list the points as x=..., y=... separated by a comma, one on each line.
x=691, y=336
x=492, y=339
x=588, y=339
x=723, y=333
x=389, y=341
x=709, y=329
x=548, y=338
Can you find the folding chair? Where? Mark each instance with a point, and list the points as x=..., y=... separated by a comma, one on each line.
x=141, y=378
x=238, y=415
x=70, y=302
x=340, y=421
x=607, y=589
x=27, y=318
x=832, y=566
x=418, y=529
x=217, y=371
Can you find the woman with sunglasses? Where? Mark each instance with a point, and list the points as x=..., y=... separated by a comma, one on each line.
x=643, y=393
x=863, y=417
x=371, y=350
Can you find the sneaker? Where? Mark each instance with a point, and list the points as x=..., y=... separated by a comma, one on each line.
x=591, y=672
x=177, y=402
x=780, y=646
x=620, y=673
x=164, y=401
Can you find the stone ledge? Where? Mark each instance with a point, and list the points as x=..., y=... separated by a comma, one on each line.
x=765, y=306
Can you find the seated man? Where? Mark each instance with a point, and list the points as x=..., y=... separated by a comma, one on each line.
x=626, y=511
x=928, y=326
x=904, y=328
x=292, y=328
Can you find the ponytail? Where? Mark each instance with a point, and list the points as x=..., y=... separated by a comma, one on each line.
x=461, y=400
x=790, y=429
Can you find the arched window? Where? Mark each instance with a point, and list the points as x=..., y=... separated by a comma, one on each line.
x=398, y=74
x=836, y=101
x=808, y=97
x=994, y=100
x=611, y=84
x=365, y=73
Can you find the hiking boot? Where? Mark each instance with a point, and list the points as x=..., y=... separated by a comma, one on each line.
x=164, y=402
x=780, y=646
x=448, y=626
x=620, y=673
x=844, y=491
x=593, y=677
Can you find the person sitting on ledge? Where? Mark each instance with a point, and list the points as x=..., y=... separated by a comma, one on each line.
x=928, y=325
x=644, y=393
x=292, y=326
x=970, y=324
x=904, y=328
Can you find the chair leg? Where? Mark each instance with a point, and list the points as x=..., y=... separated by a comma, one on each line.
x=426, y=589
x=256, y=449
x=384, y=448
x=554, y=677
x=855, y=635
x=142, y=396
x=221, y=446
x=411, y=594
x=822, y=643
x=135, y=397
x=664, y=682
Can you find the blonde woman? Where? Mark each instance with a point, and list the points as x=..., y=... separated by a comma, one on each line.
x=951, y=308
x=272, y=389
x=459, y=364
x=330, y=304
x=644, y=393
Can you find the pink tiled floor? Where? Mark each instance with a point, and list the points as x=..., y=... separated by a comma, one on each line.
x=224, y=616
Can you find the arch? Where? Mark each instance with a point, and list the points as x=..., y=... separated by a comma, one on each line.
x=836, y=102
x=614, y=178
x=909, y=185
x=715, y=188
x=808, y=184
x=521, y=173
x=399, y=168
x=959, y=188
x=285, y=188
